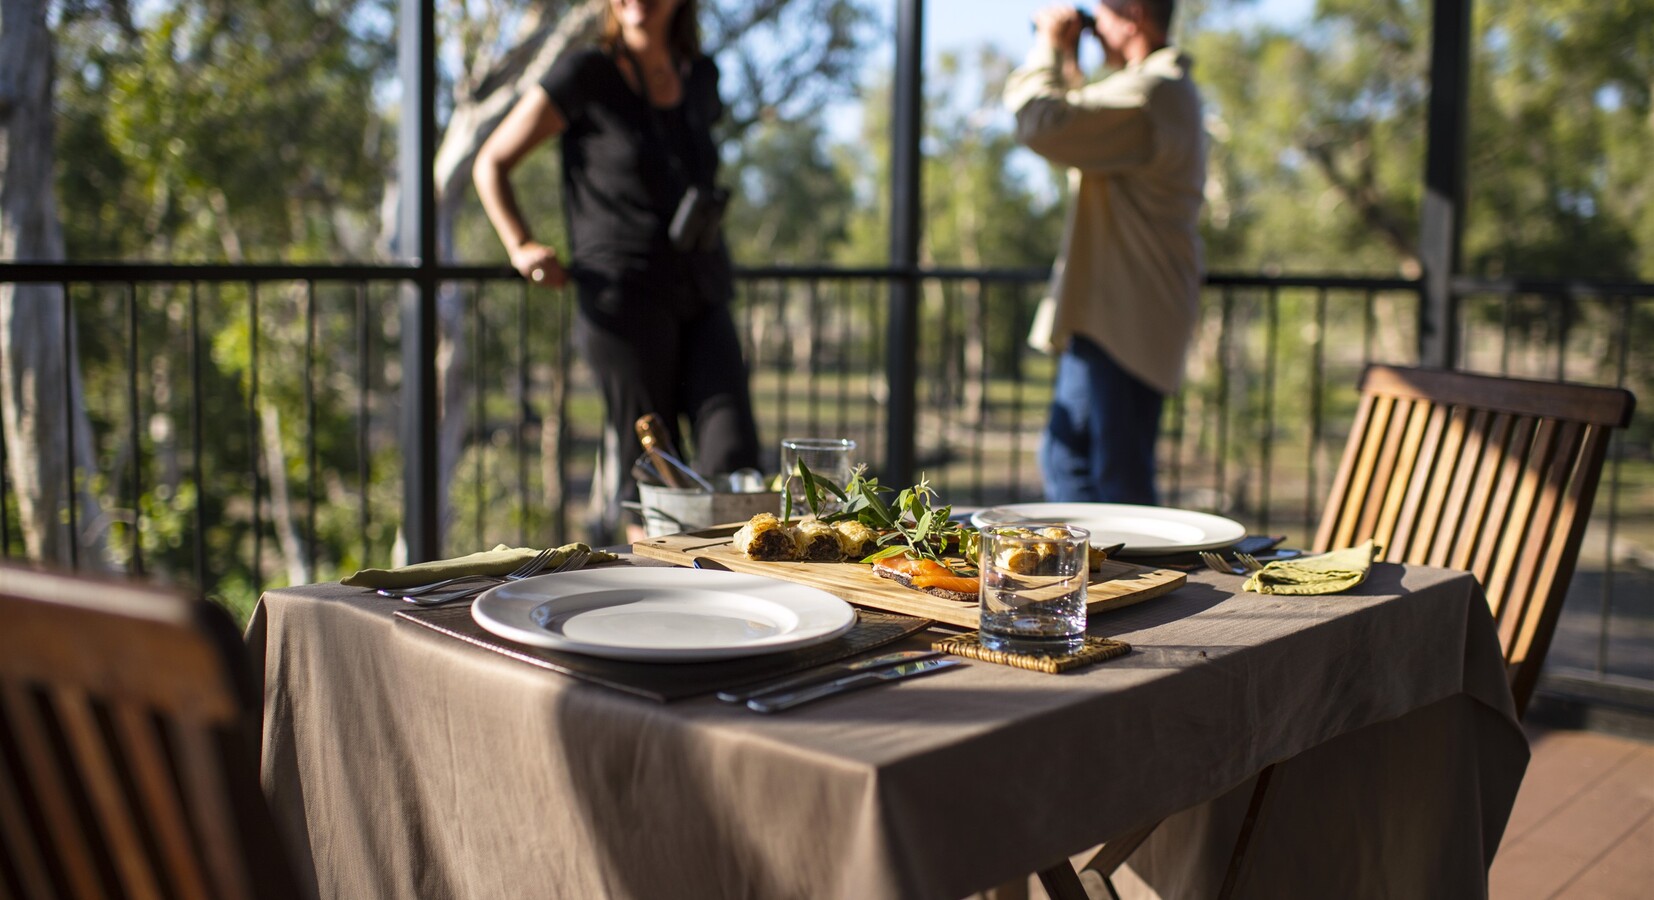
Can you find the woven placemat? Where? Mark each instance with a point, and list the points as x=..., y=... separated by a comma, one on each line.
x=1094, y=650
x=664, y=682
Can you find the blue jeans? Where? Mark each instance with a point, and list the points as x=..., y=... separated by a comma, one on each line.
x=1099, y=441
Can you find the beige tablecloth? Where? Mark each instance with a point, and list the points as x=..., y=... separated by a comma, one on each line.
x=412, y=765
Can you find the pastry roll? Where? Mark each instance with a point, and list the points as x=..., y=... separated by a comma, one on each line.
x=766, y=537
x=818, y=542
x=855, y=539
x=1020, y=560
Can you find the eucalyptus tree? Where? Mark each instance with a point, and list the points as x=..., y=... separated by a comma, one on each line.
x=199, y=131
x=46, y=433
x=1561, y=167
x=1322, y=126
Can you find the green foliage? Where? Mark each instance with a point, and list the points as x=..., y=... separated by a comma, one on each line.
x=1562, y=165
x=1316, y=150
x=793, y=204
x=1319, y=139
x=243, y=131
x=1318, y=157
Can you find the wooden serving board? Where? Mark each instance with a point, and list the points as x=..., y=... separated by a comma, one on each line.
x=1112, y=586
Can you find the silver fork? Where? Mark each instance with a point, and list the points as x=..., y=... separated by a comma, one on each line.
x=1244, y=564
x=529, y=567
x=576, y=559
x=1217, y=563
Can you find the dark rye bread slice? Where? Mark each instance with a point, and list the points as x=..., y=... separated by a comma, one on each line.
x=906, y=580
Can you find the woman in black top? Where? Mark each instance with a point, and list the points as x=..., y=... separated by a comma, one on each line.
x=633, y=117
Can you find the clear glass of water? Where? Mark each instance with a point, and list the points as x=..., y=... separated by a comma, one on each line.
x=828, y=459
x=1033, y=588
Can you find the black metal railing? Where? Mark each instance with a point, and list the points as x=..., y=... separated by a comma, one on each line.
x=246, y=422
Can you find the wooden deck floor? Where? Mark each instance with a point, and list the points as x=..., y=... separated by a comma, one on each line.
x=1583, y=826
x=1582, y=829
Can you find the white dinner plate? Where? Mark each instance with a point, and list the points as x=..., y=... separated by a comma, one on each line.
x=662, y=614
x=1145, y=530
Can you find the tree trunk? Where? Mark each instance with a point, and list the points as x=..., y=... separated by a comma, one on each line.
x=479, y=105
x=479, y=110
x=282, y=519
x=41, y=400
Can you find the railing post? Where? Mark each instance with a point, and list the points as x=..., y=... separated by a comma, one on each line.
x=1441, y=218
x=416, y=233
x=902, y=331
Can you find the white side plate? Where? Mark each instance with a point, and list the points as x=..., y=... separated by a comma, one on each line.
x=660, y=614
x=1145, y=530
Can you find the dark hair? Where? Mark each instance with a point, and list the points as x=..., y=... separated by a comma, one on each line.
x=1160, y=13
x=683, y=35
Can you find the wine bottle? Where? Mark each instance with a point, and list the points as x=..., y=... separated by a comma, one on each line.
x=657, y=446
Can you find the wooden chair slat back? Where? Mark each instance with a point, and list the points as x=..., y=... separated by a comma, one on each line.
x=1474, y=519
x=1382, y=468
x=1443, y=465
x=128, y=753
x=121, y=825
x=55, y=817
x=1493, y=475
x=159, y=794
x=1418, y=485
x=18, y=837
x=1456, y=494
x=1395, y=499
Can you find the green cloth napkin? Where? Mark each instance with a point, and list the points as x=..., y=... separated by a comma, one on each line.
x=497, y=562
x=1328, y=573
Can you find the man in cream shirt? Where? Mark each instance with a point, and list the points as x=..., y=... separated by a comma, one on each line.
x=1127, y=281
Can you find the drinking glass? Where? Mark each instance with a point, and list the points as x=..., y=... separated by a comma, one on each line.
x=828, y=459
x=1033, y=588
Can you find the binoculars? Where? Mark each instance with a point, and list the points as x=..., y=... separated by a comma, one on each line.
x=1088, y=22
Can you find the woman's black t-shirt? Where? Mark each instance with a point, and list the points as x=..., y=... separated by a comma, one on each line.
x=626, y=166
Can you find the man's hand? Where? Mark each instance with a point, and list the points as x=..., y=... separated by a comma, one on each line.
x=1059, y=27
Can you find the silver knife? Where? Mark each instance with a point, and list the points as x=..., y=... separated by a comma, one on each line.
x=825, y=673
x=855, y=681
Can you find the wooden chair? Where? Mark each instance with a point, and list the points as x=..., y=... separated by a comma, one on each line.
x=1492, y=475
x=128, y=754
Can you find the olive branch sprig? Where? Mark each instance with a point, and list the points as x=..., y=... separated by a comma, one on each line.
x=912, y=523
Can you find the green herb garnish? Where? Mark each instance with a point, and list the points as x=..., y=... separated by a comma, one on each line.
x=910, y=524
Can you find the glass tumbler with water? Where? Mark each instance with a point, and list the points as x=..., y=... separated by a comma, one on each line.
x=1033, y=588
x=828, y=459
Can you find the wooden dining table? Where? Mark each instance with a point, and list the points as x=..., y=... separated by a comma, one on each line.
x=404, y=763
